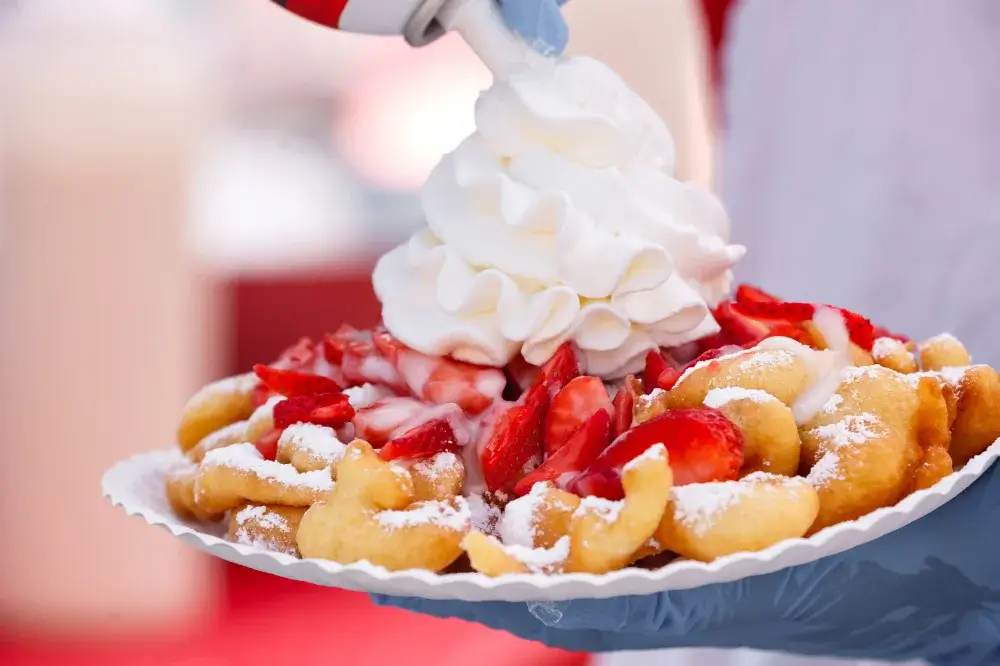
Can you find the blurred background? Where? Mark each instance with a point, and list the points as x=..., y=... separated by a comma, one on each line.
x=186, y=186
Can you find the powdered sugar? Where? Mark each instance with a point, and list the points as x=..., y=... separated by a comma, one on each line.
x=319, y=441
x=264, y=518
x=699, y=505
x=825, y=470
x=954, y=374
x=366, y=394
x=606, y=510
x=942, y=338
x=265, y=412
x=832, y=404
x=886, y=347
x=722, y=396
x=704, y=364
x=453, y=515
x=436, y=465
x=517, y=526
x=852, y=430
x=655, y=452
x=485, y=516
x=540, y=560
x=246, y=458
x=223, y=435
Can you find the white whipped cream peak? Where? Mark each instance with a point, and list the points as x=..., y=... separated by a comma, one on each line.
x=560, y=219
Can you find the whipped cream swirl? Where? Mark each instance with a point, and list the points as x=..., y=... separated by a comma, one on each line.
x=559, y=219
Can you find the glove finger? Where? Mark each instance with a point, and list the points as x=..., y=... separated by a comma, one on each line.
x=538, y=22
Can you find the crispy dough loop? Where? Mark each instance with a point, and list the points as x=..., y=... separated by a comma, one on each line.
x=371, y=515
x=180, y=483
x=705, y=521
x=770, y=435
x=237, y=474
x=943, y=351
x=605, y=536
x=895, y=355
x=216, y=406
x=266, y=526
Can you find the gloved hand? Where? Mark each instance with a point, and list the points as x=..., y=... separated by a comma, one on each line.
x=539, y=22
x=930, y=590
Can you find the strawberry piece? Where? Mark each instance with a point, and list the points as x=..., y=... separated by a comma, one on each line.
x=702, y=443
x=359, y=361
x=573, y=406
x=563, y=367
x=860, y=330
x=442, y=380
x=515, y=440
x=624, y=405
x=325, y=409
x=377, y=422
x=301, y=356
x=423, y=441
x=267, y=444
x=669, y=378
x=881, y=332
x=736, y=329
x=293, y=383
x=746, y=293
x=656, y=365
x=577, y=454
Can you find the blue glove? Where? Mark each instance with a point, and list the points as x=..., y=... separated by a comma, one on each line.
x=930, y=590
x=539, y=22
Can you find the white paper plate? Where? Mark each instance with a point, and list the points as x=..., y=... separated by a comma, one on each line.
x=137, y=485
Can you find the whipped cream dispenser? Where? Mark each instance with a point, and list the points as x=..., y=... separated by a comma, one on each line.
x=422, y=21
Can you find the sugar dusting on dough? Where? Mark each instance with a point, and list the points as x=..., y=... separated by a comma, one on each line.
x=698, y=506
x=241, y=384
x=451, y=515
x=851, y=431
x=263, y=517
x=517, y=526
x=485, y=516
x=319, y=441
x=246, y=458
x=954, y=374
x=723, y=396
x=538, y=560
x=606, y=510
x=886, y=347
x=655, y=452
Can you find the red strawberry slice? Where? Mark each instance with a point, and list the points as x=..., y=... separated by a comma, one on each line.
x=423, y=441
x=702, y=443
x=573, y=406
x=515, y=440
x=747, y=293
x=354, y=353
x=442, y=380
x=377, y=422
x=577, y=454
x=325, y=409
x=656, y=366
x=301, y=356
x=267, y=444
x=624, y=406
x=563, y=367
x=294, y=383
x=861, y=331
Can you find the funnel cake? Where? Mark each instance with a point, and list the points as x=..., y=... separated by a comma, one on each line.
x=790, y=419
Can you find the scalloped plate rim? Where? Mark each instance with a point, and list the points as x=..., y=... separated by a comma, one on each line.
x=448, y=586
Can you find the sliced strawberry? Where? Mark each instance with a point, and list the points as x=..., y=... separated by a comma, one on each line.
x=354, y=353
x=261, y=394
x=624, y=405
x=669, y=378
x=325, y=409
x=703, y=445
x=442, y=380
x=746, y=293
x=861, y=331
x=515, y=440
x=294, y=383
x=576, y=455
x=656, y=365
x=735, y=328
x=267, y=444
x=563, y=367
x=573, y=406
x=423, y=441
x=300, y=356
x=377, y=422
